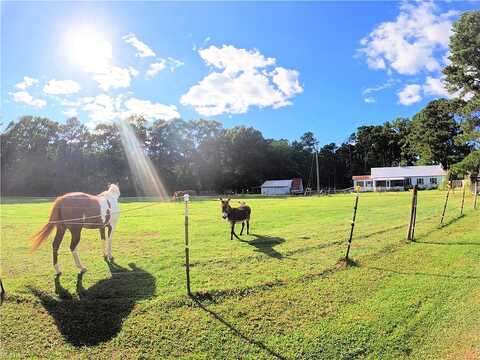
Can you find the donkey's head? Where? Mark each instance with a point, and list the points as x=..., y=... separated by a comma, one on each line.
x=225, y=207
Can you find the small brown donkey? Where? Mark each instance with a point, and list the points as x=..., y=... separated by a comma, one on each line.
x=234, y=215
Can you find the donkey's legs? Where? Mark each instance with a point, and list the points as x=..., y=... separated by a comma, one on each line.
x=248, y=227
x=76, y=231
x=56, y=245
x=243, y=225
x=232, y=234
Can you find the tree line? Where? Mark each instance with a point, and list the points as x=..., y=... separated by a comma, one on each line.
x=42, y=157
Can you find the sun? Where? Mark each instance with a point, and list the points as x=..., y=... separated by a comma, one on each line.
x=88, y=49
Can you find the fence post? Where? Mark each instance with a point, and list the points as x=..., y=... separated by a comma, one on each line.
x=187, y=250
x=353, y=224
x=476, y=194
x=2, y=292
x=463, y=199
x=445, y=205
x=413, y=215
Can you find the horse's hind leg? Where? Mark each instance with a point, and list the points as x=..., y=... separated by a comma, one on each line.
x=56, y=245
x=248, y=226
x=76, y=231
x=243, y=225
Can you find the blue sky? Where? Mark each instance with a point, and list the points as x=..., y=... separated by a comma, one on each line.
x=284, y=68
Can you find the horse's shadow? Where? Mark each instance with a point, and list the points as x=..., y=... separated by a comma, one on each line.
x=98, y=312
x=265, y=244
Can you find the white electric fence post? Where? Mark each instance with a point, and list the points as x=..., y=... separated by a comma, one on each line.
x=186, y=198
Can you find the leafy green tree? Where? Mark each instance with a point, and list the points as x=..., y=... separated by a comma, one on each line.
x=433, y=135
x=463, y=77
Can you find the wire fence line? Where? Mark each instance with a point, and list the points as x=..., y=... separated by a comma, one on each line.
x=340, y=231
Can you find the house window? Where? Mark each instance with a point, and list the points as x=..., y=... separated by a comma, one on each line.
x=396, y=183
x=360, y=183
x=420, y=181
x=369, y=184
x=433, y=181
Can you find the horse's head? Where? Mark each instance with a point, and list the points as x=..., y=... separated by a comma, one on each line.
x=225, y=207
x=114, y=189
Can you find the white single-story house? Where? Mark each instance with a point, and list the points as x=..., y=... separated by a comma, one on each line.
x=401, y=178
x=282, y=187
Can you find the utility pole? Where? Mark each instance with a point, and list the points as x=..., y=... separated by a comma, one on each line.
x=318, y=178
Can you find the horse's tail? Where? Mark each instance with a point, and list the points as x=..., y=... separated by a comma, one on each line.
x=45, y=231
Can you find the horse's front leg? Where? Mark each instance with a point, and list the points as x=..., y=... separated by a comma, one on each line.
x=243, y=225
x=248, y=227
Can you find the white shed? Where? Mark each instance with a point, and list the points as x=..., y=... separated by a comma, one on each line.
x=276, y=187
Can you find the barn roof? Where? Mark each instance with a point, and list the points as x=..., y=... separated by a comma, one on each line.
x=407, y=171
x=277, y=183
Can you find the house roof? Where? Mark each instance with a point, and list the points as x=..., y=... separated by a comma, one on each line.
x=277, y=183
x=361, y=177
x=407, y=171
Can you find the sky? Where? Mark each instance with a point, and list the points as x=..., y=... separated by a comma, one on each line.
x=284, y=68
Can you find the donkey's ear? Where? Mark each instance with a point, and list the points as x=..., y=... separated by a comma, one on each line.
x=220, y=199
x=228, y=199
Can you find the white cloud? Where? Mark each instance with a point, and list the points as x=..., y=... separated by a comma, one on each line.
x=114, y=77
x=244, y=82
x=105, y=109
x=155, y=68
x=174, y=64
x=150, y=110
x=26, y=83
x=410, y=94
x=287, y=81
x=27, y=99
x=143, y=49
x=134, y=72
x=368, y=92
x=410, y=43
x=61, y=87
x=100, y=109
x=436, y=87
x=234, y=60
x=70, y=112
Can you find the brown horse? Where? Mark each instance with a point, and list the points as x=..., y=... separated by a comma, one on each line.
x=74, y=211
x=234, y=215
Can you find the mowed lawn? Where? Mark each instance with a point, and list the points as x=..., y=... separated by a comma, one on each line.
x=281, y=292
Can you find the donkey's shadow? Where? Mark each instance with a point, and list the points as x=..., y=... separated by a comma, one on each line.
x=98, y=312
x=265, y=244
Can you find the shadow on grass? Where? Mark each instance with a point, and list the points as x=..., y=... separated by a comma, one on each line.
x=452, y=221
x=236, y=331
x=417, y=273
x=448, y=243
x=98, y=312
x=265, y=244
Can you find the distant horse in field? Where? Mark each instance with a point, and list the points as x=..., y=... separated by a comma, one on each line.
x=74, y=211
x=234, y=215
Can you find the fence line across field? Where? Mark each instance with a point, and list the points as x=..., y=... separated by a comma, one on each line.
x=432, y=213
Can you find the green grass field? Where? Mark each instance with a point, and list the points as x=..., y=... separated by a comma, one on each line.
x=281, y=292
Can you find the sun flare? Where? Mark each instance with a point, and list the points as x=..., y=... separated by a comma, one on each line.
x=89, y=49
